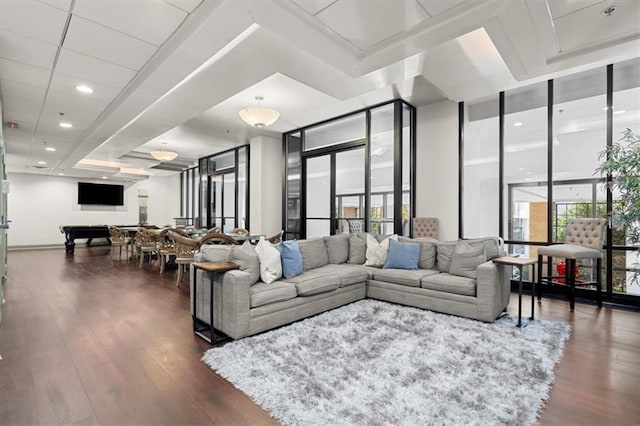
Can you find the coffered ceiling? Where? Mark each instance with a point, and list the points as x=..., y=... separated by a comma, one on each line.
x=174, y=74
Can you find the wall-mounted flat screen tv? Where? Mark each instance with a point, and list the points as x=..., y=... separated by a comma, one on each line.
x=100, y=194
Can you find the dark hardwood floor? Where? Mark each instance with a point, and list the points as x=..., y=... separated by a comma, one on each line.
x=89, y=340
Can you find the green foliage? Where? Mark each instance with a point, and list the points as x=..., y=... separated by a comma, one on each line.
x=622, y=162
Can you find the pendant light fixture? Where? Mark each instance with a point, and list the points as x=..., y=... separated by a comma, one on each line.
x=164, y=155
x=259, y=116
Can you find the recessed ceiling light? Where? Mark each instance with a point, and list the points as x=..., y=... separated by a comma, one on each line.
x=65, y=125
x=104, y=177
x=60, y=174
x=42, y=162
x=619, y=112
x=517, y=124
x=527, y=179
x=84, y=89
x=50, y=149
x=605, y=108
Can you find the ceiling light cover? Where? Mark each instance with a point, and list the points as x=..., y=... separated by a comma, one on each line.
x=164, y=155
x=259, y=116
x=65, y=125
x=84, y=89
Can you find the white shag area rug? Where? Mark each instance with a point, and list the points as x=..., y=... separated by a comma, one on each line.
x=376, y=363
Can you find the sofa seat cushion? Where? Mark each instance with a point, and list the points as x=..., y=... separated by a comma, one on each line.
x=450, y=284
x=278, y=291
x=411, y=278
x=314, y=282
x=348, y=274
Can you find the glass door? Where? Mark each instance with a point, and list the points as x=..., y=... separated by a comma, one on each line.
x=318, y=197
x=222, y=206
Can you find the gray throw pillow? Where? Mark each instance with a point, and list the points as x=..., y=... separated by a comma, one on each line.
x=214, y=253
x=445, y=251
x=246, y=257
x=491, y=246
x=314, y=253
x=337, y=248
x=357, y=250
x=466, y=259
x=427, y=251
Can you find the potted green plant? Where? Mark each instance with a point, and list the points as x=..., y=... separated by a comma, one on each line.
x=622, y=162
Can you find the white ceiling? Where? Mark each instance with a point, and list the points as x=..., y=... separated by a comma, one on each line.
x=174, y=74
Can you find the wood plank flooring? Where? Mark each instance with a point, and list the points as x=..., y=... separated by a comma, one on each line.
x=90, y=340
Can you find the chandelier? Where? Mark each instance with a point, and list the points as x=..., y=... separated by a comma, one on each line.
x=259, y=116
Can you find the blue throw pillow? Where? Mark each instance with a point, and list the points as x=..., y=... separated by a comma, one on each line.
x=291, y=259
x=402, y=255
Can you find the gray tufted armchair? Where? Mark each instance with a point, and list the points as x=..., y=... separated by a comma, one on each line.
x=583, y=239
x=425, y=227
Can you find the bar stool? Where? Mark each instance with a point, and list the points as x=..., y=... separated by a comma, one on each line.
x=583, y=239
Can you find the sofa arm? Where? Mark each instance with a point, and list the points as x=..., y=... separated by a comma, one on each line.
x=232, y=301
x=492, y=290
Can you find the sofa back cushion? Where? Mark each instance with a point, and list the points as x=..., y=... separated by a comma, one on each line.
x=466, y=259
x=246, y=257
x=213, y=253
x=445, y=252
x=427, y=251
x=314, y=253
x=492, y=246
x=337, y=248
x=357, y=250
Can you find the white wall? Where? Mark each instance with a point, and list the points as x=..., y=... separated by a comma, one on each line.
x=265, y=199
x=38, y=205
x=437, y=166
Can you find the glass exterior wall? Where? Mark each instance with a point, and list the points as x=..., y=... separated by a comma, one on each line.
x=355, y=166
x=558, y=127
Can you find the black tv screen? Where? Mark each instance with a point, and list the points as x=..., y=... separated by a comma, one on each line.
x=100, y=194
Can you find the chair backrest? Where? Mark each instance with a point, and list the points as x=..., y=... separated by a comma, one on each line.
x=185, y=246
x=216, y=238
x=586, y=232
x=275, y=239
x=117, y=235
x=355, y=225
x=239, y=231
x=214, y=230
x=145, y=238
x=425, y=227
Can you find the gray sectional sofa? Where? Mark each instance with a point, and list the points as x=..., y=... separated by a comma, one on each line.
x=334, y=275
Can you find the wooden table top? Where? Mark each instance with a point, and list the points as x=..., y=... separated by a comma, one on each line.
x=216, y=266
x=515, y=261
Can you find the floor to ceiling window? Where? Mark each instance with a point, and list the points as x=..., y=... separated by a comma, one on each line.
x=351, y=174
x=529, y=160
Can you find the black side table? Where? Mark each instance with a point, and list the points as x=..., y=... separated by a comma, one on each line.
x=200, y=327
x=520, y=263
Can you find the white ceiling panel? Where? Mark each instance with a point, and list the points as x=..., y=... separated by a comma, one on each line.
x=563, y=7
x=23, y=49
x=436, y=7
x=33, y=19
x=24, y=73
x=67, y=84
x=151, y=20
x=104, y=43
x=93, y=69
x=367, y=26
x=186, y=5
x=588, y=26
x=60, y=4
x=20, y=94
x=313, y=6
x=23, y=114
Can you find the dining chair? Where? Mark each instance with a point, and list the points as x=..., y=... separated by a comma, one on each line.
x=239, y=231
x=214, y=230
x=166, y=248
x=119, y=239
x=425, y=227
x=185, y=248
x=146, y=243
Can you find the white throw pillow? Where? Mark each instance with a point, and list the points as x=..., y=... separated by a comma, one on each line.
x=270, y=264
x=377, y=251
